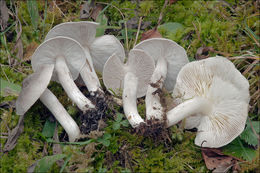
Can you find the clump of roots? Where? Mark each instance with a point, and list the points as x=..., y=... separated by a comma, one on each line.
x=154, y=129
x=90, y=119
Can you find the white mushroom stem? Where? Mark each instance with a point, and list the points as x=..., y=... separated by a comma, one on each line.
x=154, y=108
x=129, y=100
x=56, y=108
x=90, y=79
x=197, y=105
x=70, y=87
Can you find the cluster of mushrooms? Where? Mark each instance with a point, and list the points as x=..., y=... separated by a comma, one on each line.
x=211, y=94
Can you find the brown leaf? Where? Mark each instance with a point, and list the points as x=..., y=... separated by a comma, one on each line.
x=14, y=135
x=203, y=52
x=216, y=160
x=152, y=33
x=4, y=15
x=56, y=148
x=30, y=50
x=98, y=8
x=172, y=1
x=85, y=10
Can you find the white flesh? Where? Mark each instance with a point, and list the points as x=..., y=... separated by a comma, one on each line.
x=62, y=116
x=197, y=105
x=70, y=87
x=154, y=109
x=129, y=100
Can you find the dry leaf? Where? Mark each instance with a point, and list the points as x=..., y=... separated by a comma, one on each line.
x=4, y=15
x=98, y=8
x=14, y=135
x=216, y=160
x=203, y=52
x=56, y=148
x=152, y=33
x=30, y=50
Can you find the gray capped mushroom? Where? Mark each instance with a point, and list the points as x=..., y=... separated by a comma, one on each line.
x=68, y=57
x=132, y=78
x=100, y=49
x=35, y=87
x=214, y=98
x=170, y=58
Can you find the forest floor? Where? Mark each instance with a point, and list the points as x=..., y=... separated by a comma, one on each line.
x=204, y=28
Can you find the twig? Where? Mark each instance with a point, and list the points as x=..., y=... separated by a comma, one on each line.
x=161, y=14
x=138, y=30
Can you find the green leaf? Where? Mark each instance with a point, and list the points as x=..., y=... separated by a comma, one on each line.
x=248, y=135
x=119, y=117
x=170, y=28
x=116, y=125
x=48, y=129
x=33, y=11
x=46, y=162
x=102, y=20
x=125, y=123
x=105, y=139
x=72, y=143
x=8, y=88
x=237, y=149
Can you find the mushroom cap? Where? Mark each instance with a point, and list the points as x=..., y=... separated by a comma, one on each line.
x=84, y=31
x=226, y=89
x=102, y=48
x=174, y=54
x=33, y=87
x=139, y=63
x=66, y=47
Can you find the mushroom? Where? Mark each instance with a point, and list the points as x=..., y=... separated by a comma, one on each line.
x=68, y=57
x=35, y=87
x=170, y=58
x=98, y=48
x=214, y=98
x=132, y=77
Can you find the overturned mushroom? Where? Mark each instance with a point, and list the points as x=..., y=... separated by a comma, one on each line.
x=169, y=58
x=132, y=77
x=68, y=57
x=100, y=49
x=35, y=87
x=213, y=97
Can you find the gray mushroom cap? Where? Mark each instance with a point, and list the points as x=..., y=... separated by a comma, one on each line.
x=33, y=87
x=100, y=48
x=55, y=47
x=139, y=63
x=174, y=54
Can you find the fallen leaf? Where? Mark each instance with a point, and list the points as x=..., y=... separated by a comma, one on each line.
x=4, y=15
x=94, y=14
x=56, y=148
x=203, y=52
x=216, y=160
x=152, y=33
x=30, y=50
x=14, y=135
x=85, y=10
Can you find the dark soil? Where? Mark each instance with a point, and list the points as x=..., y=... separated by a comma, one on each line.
x=90, y=119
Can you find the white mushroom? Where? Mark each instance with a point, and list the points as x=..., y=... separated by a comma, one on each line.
x=136, y=73
x=68, y=57
x=35, y=87
x=100, y=49
x=170, y=58
x=213, y=98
